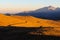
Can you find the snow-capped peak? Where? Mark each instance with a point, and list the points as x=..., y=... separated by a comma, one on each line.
x=51, y=8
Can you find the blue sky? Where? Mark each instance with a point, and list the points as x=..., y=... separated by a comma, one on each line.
x=25, y=5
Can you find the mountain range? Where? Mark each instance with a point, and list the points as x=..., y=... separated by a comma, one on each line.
x=49, y=12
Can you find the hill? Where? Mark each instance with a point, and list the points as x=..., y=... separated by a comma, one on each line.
x=26, y=21
x=7, y=20
x=37, y=22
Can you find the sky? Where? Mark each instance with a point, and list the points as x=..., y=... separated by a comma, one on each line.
x=13, y=6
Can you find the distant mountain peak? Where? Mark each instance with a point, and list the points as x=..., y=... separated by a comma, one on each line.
x=51, y=8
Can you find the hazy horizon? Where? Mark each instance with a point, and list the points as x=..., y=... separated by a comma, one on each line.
x=13, y=6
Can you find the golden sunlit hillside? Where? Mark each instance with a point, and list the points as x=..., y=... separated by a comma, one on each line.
x=7, y=20
x=31, y=21
x=26, y=21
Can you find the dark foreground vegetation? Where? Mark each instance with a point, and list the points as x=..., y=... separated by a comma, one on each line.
x=21, y=33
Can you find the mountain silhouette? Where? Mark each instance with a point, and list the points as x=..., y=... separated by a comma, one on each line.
x=49, y=12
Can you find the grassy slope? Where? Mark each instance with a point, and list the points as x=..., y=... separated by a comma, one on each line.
x=26, y=21
x=32, y=21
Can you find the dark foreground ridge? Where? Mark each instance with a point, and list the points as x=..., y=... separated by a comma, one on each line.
x=21, y=33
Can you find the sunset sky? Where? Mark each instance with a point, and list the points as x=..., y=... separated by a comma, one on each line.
x=13, y=6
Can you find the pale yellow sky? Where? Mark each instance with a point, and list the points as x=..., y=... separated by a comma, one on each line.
x=13, y=6
x=18, y=8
